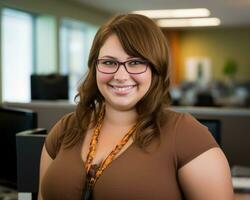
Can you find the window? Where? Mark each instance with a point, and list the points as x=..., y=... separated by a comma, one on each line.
x=29, y=45
x=75, y=42
x=45, y=44
x=16, y=55
x=32, y=50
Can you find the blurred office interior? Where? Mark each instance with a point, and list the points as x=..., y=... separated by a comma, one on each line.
x=45, y=44
x=210, y=65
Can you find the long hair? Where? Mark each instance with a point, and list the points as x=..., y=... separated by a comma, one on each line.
x=140, y=37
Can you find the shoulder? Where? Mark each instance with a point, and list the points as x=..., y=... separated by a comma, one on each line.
x=67, y=121
x=189, y=138
x=173, y=120
x=56, y=134
x=179, y=122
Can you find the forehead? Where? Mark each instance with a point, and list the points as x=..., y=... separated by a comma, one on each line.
x=112, y=47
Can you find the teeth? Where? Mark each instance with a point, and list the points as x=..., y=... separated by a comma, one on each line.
x=121, y=89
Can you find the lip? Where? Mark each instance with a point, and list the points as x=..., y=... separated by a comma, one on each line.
x=121, y=89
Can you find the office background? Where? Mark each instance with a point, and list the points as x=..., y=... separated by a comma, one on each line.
x=217, y=45
x=56, y=23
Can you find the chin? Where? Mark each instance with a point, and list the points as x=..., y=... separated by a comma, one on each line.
x=123, y=107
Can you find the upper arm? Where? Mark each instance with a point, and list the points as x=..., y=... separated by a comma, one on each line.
x=45, y=162
x=52, y=146
x=207, y=177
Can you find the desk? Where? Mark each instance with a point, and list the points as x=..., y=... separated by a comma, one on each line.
x=241, y=196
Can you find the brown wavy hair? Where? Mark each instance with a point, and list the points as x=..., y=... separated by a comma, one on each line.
x=140, y=37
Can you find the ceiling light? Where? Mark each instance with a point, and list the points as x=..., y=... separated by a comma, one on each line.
x=174, y=13
x=188, y=22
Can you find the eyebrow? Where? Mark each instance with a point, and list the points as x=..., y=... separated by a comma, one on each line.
x=112, y=57
x=109, y=57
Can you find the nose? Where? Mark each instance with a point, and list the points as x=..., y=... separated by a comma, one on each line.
x=121, y=74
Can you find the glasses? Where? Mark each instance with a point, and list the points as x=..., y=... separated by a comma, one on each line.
x=108, y=66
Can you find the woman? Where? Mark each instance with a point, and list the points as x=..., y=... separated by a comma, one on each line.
x=123, y=142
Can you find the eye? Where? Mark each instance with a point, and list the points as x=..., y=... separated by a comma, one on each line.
x=108, y=62
x=136, y=62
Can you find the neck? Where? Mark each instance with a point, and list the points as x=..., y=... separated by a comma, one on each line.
x=116, y=117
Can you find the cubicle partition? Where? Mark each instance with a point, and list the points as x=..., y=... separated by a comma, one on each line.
x=234, y=124
x=12, y=120
x=49, y=112
x=29, y=145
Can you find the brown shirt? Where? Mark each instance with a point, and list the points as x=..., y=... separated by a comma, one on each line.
x=135, y=174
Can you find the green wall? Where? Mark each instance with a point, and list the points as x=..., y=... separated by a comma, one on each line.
x=58, y=9
x=218, y=44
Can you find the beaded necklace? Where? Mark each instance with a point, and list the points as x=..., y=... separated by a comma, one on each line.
x=93, y=174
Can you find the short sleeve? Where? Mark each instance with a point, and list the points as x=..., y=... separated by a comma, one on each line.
x=191, y=139
x=55, y=136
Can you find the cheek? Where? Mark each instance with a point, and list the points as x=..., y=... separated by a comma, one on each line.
x=144, y=79
x=103, y=78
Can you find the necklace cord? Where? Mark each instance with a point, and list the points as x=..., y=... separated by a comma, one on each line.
x=92, y=150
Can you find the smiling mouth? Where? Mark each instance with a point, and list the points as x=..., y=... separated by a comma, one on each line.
x=122, y=88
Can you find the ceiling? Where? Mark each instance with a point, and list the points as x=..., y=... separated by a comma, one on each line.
x=230, y=12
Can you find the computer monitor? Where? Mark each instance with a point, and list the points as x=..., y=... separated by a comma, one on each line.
x=12, y=121
x=214, y=126
x=49, y=87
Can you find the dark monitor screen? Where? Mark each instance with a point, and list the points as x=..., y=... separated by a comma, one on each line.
x=49, y=87
x=12, y=121
x=214, y=127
